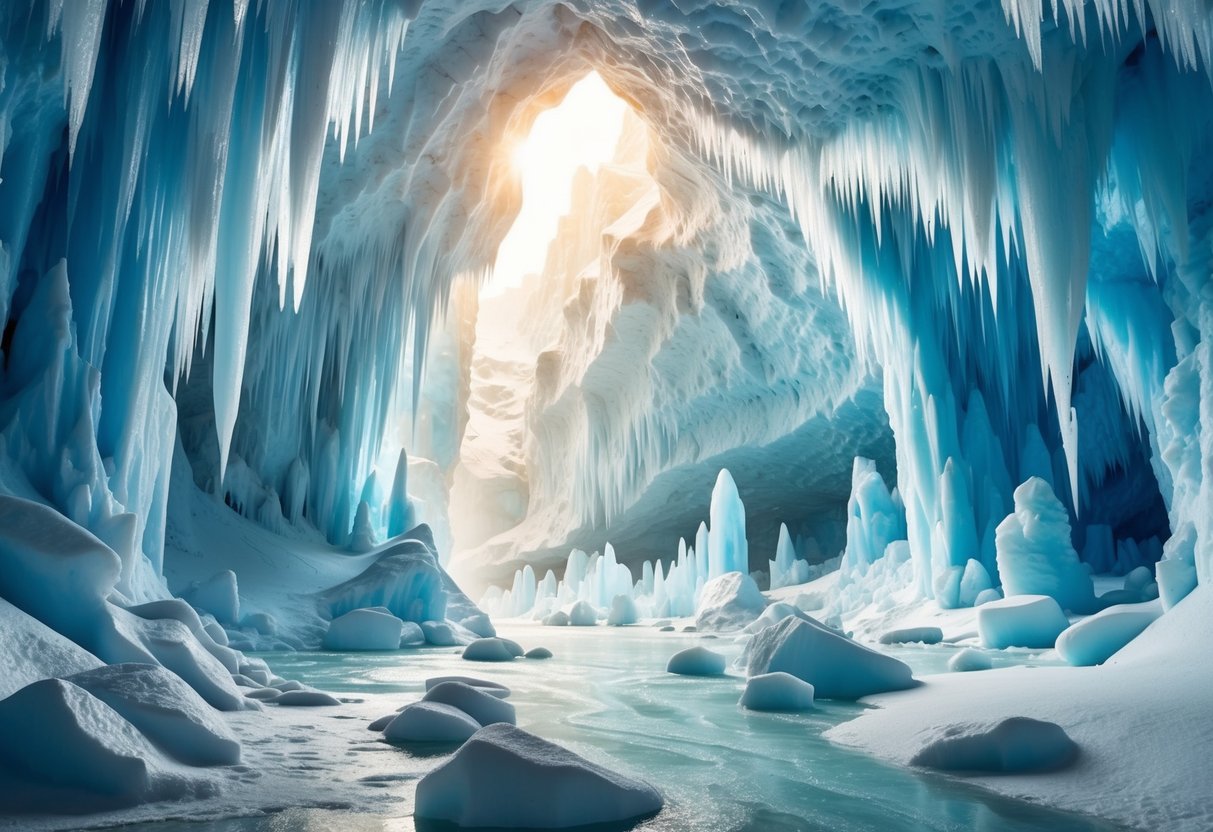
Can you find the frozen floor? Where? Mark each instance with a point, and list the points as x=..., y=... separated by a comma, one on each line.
x=606, y=695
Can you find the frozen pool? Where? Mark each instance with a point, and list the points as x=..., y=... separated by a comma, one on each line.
x=606, y=695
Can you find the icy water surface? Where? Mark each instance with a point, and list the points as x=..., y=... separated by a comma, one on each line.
x=606, y=695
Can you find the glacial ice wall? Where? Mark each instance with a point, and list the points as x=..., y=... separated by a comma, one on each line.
x=266, y=206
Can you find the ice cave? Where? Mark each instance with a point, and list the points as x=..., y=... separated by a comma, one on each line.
x=663, y=415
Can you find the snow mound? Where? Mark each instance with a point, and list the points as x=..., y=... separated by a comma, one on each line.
x=539, y=653
x=1094, y=640
x=836, y=666
x=522, y=781
x=489, y=650
x=913, y=635
x=696, y=661
x=728, y=603
x=1021, y=621
x=165, y=709
x=496, y=688
x=623, y=611
x=1034, y=552
x=968, y=660
x=411, y=634
x=476, y=702
x=405, y=579
x=1017, y=745
x=32, y=651
x=430, y=722
x=773, y=614
x=559, y=618
x=364, y=629
x=777, y=691
x=443, y=634
x=66, y=750
x=305, y=699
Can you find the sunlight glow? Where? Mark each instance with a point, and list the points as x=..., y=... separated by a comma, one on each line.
x=583, y=131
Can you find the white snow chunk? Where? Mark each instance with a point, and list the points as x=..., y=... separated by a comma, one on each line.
x=166, y=710
x=1094, y=640
x=836, y=666
x=1034, y=552
x=496, y=688
x=539, y=653
x=913, y=635
x=968, y=660
x=305, y=699
x=476, y=702
x=559, y=618
x=430, y=722
x=696, y=661
x=488, y=650
x=364, y=629
x=623, y=611
x=729, y=602
x=32, y=651
x=583, y=614
x=777, y=691
x=1021, y=621
x=80, y=754
x=522, y=781
x=1016, y=745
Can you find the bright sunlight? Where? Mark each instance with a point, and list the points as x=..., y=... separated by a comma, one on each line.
x=583, y=131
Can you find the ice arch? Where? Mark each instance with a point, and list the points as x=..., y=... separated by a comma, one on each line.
x=215, y=246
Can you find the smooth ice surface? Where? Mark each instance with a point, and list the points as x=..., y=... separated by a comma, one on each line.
x=1021, y=621
x=519, y=780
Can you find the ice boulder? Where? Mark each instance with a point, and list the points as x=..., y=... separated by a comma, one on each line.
x=1094, y=640
x=496, y=688
x=411, y=634
x=364, y=629
x=623, y=611
x=696, y=661
x=986, y=596
x=430, y=722
x=305, y=699
x=968, y=660
x=777, y=691
x=405, y=579
x=583, y=614
x=523, y=782
x=836, y=666
x=728, y=603
x=476, y=702
x=219, y=595
x=441, y=634
x=1017, y=745
x=772, y=615
x=539, y=653
x=913, y=635
x=559, y=618
x=489, y=650
x=973, y=581
x=1034, y=552
x=60, y=737
x=1021, y=621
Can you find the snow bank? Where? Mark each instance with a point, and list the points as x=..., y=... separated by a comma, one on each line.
x=165, y=709
x=836, y=666
x=777, y=691
x=1017, y=745
x=1022, y=621
x=729, y=602
x=32, y=651
x=1096, y=639
x=506, y=778
x=405, y=579
x=696, y=661
x=476, y=702
x=364, y=629
x=430, y=722
x=66, y=750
